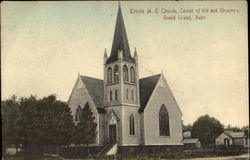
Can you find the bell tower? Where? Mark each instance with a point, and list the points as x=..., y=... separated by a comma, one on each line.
x=120, y=70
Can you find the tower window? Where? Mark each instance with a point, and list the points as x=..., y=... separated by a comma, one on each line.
x=116, y=74
x=116, y=94
x=164, y=121
x=109, y=75
x=131, y=125
x=132, y=95
x=126, y=93
x=125, y=73
x=132, y=75
x=110, y=95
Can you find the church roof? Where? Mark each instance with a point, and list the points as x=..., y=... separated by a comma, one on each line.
x=95, y=89
x=146, y=86
x=120, y=41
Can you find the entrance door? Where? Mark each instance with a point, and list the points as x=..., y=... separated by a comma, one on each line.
x=112, y=133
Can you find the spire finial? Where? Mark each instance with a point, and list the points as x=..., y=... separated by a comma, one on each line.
x=78, y=73
x=119, y=4
x=105, y=53
x=135, y=53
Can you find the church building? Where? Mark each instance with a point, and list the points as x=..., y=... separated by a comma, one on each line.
x=129, y=112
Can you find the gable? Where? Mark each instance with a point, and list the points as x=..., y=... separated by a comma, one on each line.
x=146, y=88
x=148, y=85
x=223, y=136
x=94, y=88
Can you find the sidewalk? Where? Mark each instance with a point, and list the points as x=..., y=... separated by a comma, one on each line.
x=240, y=157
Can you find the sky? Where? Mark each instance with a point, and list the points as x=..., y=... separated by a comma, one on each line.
x=46, y=44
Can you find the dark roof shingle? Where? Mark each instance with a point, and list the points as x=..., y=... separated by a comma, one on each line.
x=147, y=86
x=95, y=89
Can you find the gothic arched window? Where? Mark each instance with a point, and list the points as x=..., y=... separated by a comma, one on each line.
x=116, y=94
x=132, y=95
x=132, y=74
x=125, y=73
x=109, y=75
x=116, y=74
x=164, y=121
x=126, y=93
x=131, y=125
x=110, y=95
x=78, y=114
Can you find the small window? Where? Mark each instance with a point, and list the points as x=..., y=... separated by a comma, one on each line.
x=132, y=75
x=132, y=95
x=78, y=114
x=116, y=74
x=110, y=95
x=126, y=93
x=109, y=75
x=131, y=125
x=116, y=94
x=125, y=73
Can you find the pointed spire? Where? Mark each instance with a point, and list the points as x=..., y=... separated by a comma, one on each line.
x=120, y=40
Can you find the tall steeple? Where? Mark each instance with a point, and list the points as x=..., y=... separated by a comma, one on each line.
x=120, y=41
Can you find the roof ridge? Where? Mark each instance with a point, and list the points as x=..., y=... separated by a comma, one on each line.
x=91, y=77
x=150, y=76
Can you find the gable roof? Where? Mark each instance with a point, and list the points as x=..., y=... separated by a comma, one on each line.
x=146, y=87
x=120, y=41
x=95, y=90
x=190, y=140
x=234, y=134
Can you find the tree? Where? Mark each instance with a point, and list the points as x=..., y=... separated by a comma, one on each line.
x=233, y=128
x=245, y=129
x=187, y=127
x=28, y=121
x=36, y=122
x=10, y=115
x=207, y=129
x=85, y=132
x=56, y=122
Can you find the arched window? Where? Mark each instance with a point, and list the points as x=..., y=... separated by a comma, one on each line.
x=132, y=95
x=110, y=95
x=109, y=75
x=116, y=94
x=131, y=125
x=132, y=75
x=78, y=114
x=116, y=74
x=126, y=93
x=164, y=121
x=125, y=73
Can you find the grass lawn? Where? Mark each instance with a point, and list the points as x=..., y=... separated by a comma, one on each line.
x=202, y=155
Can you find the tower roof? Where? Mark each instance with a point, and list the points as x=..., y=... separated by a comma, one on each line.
x=120, y=41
